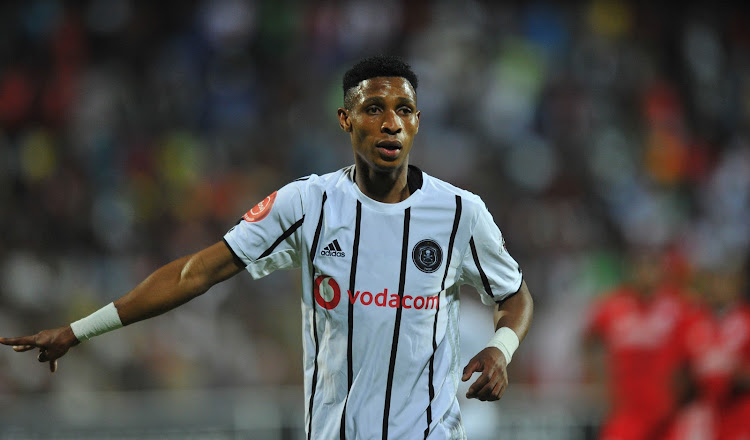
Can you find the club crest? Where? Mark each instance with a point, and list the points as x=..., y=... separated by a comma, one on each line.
x=427, y=256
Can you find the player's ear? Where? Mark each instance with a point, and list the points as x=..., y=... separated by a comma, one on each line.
x=344, y=121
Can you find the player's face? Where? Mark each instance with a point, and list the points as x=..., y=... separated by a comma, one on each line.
x=721, y=289
x=382, y=122
x=646, y=271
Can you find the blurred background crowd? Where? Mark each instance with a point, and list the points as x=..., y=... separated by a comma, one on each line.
x=133, y=133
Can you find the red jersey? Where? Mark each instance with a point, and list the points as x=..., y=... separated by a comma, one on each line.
x=641, y=337
x=716, y=348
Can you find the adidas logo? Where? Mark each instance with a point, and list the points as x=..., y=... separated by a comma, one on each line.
x=332, y=250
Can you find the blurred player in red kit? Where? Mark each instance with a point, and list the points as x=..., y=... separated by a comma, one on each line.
x=638, y=325
x=716, y=349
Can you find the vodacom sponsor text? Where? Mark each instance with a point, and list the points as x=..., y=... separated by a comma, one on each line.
x=328, y=296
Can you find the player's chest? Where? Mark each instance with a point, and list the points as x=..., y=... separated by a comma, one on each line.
x=404, y=251
x=644, y=327
x=717, y=342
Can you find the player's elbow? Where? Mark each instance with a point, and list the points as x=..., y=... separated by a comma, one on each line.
x=193, y=277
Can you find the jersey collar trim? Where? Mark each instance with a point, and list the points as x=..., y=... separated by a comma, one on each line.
x=415, y=180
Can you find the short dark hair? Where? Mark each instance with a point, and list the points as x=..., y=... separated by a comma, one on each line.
x=373, y=67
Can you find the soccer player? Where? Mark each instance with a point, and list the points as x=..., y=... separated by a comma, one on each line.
x=638, y=326
x=716, y=348
x=383, y=248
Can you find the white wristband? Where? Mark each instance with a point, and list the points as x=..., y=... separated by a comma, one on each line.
x=506, y=340
x=101, y=321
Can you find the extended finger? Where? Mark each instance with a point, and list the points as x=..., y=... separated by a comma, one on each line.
x=53, y=366
x=23, y=340
x=20, y=348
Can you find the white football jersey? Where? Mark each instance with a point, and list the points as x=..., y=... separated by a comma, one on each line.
x=379, y=297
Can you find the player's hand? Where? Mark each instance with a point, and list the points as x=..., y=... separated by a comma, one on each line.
x=52, y=344
x=494, y=379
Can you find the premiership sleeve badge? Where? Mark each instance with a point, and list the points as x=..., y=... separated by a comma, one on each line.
x=261, y=210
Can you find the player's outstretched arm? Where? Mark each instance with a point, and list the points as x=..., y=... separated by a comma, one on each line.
x=168, y=287
x=512, y=320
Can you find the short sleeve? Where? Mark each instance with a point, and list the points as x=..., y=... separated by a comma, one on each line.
x=267, y=237
x=487, y=265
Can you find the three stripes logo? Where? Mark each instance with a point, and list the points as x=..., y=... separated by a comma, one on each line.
x=332, y=250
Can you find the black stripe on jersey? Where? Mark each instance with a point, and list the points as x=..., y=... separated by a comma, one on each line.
x=456, y=219
x=302, y=179
x=313, y=250
x=336, y=245
x=394, y=344
x=352, y=279
x=284, y=235
x=485, y=281
x=237, y=260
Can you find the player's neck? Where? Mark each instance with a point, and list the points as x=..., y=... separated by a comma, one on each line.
x=722, y=309
x=385, y=187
